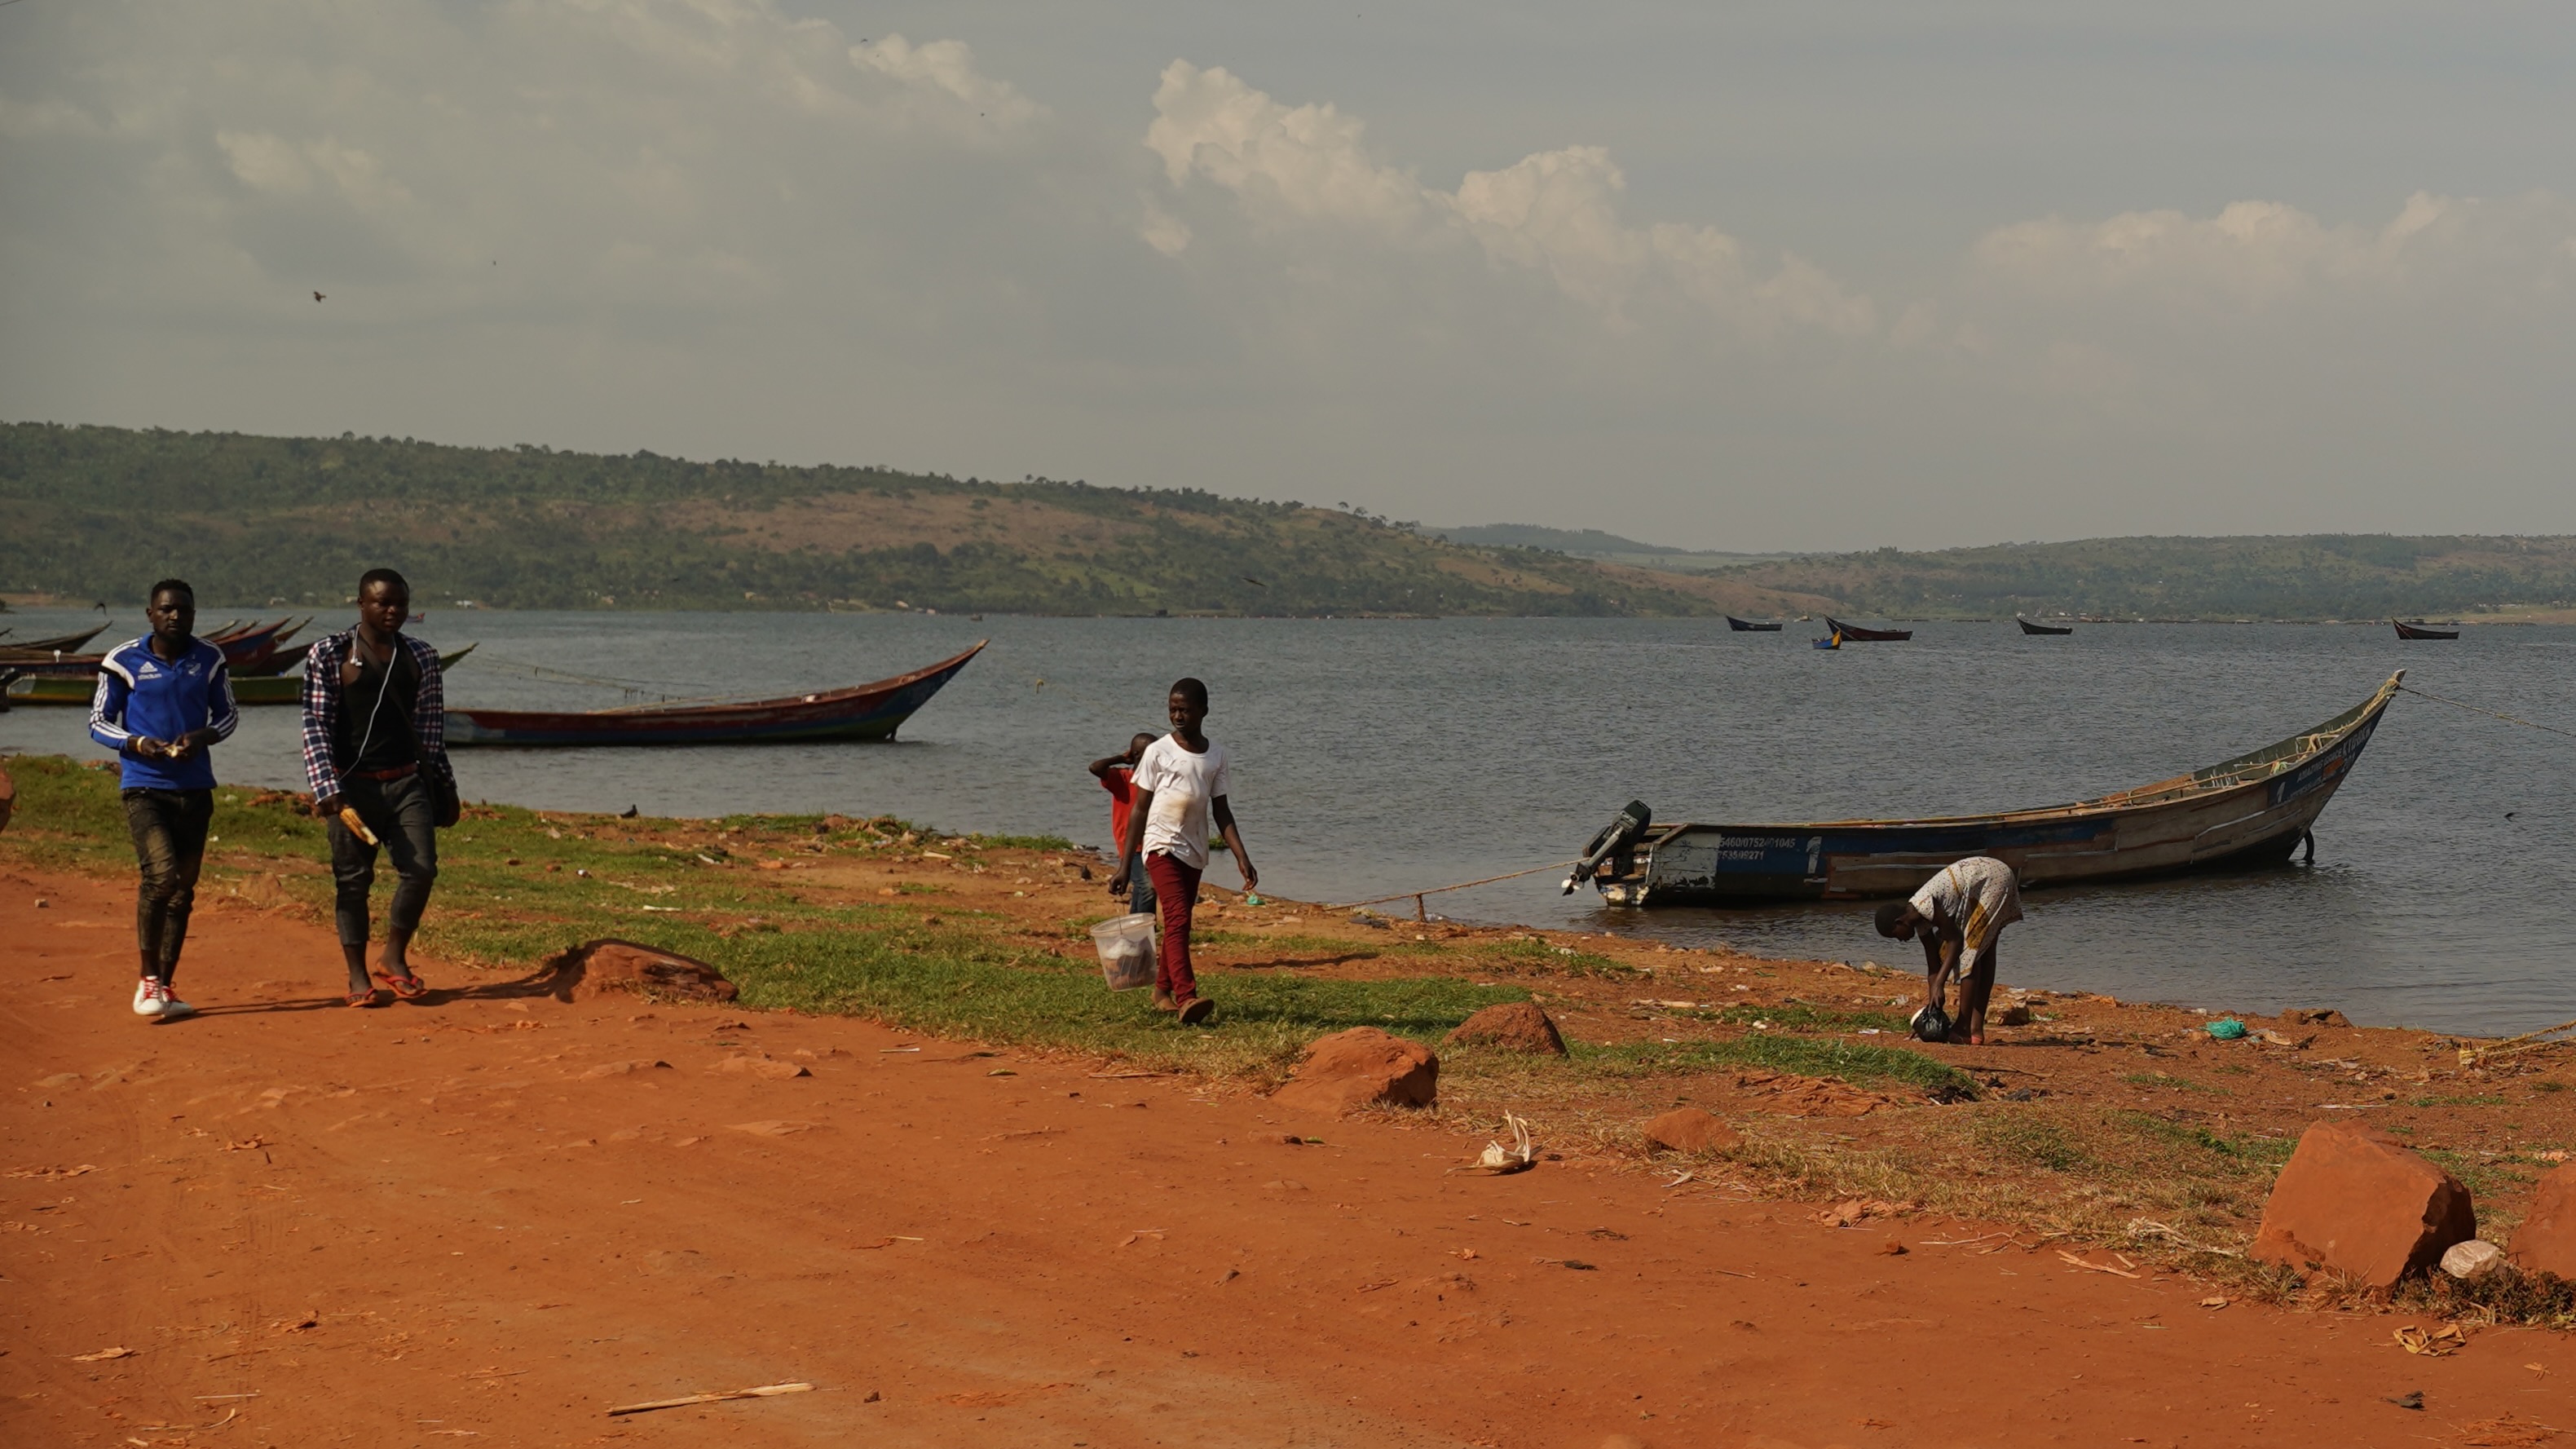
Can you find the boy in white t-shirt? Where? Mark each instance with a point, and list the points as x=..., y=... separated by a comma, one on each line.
x=1179, y=788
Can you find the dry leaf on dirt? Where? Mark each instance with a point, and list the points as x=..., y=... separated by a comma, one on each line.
x=2447, y=1339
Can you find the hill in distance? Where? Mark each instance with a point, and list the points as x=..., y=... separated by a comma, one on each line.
x=99, y=513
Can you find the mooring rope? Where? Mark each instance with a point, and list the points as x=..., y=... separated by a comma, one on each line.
x=2474, y=709
x=1416, y=896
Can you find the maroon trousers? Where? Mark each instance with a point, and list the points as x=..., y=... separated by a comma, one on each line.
x=1176, y=891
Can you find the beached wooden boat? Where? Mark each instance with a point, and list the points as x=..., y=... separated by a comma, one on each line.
x=1854, y=634
x=1749, y=626
x=63, y=642
x=2242, y=813
x=246, y=651
x=2028, y=627
x=2418, y=631
x=860, y=712
x=253, y=690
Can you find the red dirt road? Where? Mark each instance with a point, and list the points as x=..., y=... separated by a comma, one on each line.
x=466, y=1223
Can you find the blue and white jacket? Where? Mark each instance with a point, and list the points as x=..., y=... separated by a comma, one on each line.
x=140, y=694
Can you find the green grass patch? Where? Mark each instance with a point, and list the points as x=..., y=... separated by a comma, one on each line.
x=967, y=984
x=2212, y=1149
x=1540, y=956
x=1798, y=1016
x=2455, y=1101
x=2024, y=1139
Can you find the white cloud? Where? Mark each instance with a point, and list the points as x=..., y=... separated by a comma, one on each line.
x=2264, y=254
x=947, y=67
x=1555, y=212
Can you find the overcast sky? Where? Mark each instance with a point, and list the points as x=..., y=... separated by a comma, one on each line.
x=1750, y=276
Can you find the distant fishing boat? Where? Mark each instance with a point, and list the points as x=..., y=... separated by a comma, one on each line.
x=2250, y=811
x=1854, y=634
x=2028, y=627
x=1748, y=626
x=859, y=712
x=247, y=690
x=2418, y=631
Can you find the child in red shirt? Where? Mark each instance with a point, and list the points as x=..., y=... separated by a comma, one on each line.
x=1117, y=775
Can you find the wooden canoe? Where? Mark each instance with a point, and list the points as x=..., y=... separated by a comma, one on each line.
x=859, y=712
x=253, y=690
x=2418, y=631
x=2242, y=813
x=2028, y=627
x=1749, y=626
x=1854, y=634
x=64, y=642
x=244, y=649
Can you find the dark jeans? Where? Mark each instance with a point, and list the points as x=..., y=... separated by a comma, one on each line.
x=404, y=815
x=1140, y=888
x=169, y=829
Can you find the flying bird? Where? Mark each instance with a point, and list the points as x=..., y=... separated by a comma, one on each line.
x=317, y=296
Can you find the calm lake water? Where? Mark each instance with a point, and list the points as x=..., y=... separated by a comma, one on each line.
x=1376, y=756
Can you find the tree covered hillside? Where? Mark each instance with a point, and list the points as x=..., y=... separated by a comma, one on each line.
x=92, y=512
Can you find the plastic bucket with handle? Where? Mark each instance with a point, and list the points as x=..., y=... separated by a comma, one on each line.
x=1126, y=951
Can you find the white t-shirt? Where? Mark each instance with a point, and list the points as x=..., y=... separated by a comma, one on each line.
x=1976, y=897
x=1184, y=785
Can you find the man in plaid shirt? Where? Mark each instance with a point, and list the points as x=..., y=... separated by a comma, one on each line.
x=375, y=753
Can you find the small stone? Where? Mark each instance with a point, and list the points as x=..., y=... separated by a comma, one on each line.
x=1512, y=1026
x=2359, y=1202
x=43, y=904
x=1689, y=1129
x=2472, y=1260
x=1362, y=1067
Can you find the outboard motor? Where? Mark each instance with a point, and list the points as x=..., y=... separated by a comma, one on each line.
x=1614, y=839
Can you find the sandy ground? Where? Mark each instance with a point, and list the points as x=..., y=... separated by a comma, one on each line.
x=493, y=1217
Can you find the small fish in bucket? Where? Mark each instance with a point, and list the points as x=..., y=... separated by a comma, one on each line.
x=1126, y=945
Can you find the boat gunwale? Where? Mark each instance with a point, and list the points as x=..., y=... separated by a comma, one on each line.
x=2275, y=759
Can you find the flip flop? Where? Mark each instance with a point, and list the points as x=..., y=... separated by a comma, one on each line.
x=1197, y=1009
x=406, y=987
x=363, y=999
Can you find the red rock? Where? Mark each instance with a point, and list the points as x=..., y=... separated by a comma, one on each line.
x=1688, y=1129
x=595, y=968
x=2357, y=1202
x=1513, y=1026
x=1362, y=1067
x=2546, y=1241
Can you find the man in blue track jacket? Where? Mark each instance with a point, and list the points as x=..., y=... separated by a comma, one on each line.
x=162, y=701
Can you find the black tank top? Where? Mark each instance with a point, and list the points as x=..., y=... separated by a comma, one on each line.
x=375, y=712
